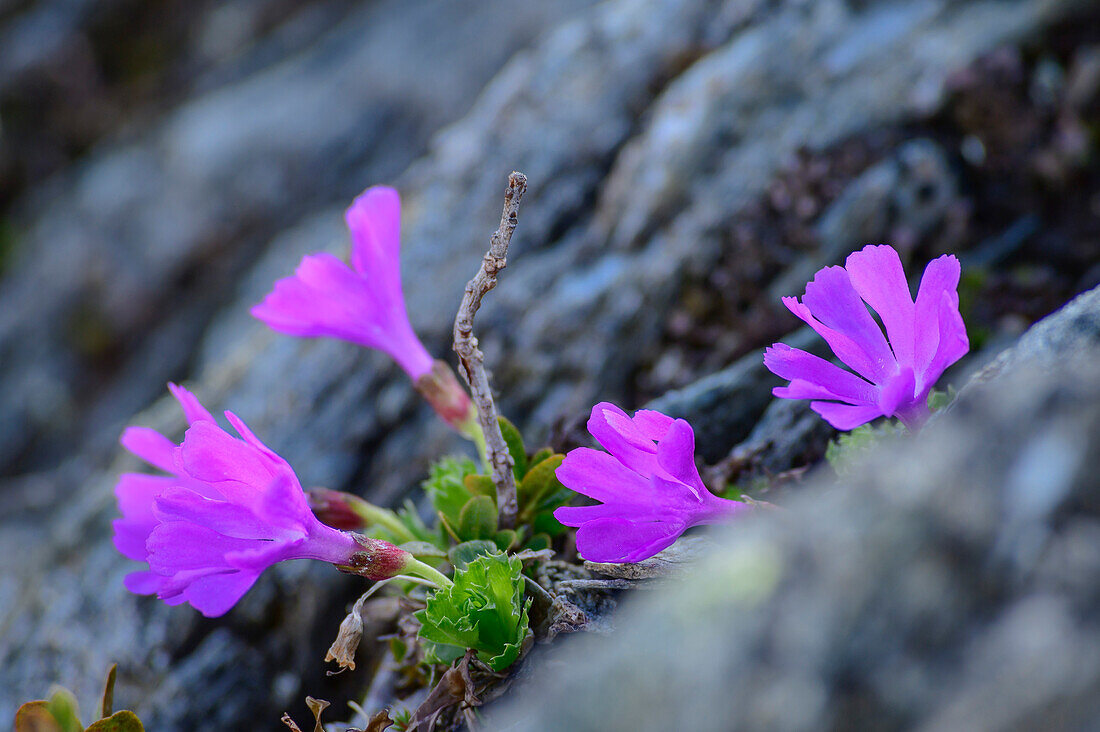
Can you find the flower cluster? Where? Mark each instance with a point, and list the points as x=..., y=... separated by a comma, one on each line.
x=225, y=507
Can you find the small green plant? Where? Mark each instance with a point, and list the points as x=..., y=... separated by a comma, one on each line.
x=484, y=610
x=849, y=447
x=60, y=714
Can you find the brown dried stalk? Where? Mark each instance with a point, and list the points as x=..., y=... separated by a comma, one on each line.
x=472, y=361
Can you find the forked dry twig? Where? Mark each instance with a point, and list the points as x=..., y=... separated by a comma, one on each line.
x=472, y=361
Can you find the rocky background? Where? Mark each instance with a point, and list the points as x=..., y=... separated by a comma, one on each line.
x=162, y=162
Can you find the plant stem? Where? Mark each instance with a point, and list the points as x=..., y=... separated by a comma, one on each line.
x=420, y=569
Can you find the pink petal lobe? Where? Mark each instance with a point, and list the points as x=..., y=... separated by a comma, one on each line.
x=600, y=476
x=617, y=433
x=151, y=446
x=844, y=416
x=834, y=302
x=214, y=595
x=374, y=219
x=676, y=454
x=897, y=392
x=877, y=276
x=798, y=365
x=622, y=540
x=192, y=409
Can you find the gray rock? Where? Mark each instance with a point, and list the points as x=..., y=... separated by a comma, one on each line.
x=949, y=583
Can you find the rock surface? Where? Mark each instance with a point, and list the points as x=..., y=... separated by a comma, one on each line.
x=646, y=128
x=948, y=583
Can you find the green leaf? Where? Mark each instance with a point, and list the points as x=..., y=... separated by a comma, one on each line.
x=64, y=709
x=107, y=701
x=481, y=485
x=468, y=551
x=118, y=722
x=937, y=399
x=505, y=539
x=539, y=481
x=483, y=610
x=423, y=550
x=538, y=542
x=514, y=441
x=446, y=485
x=478, y=519
x=849, y=447
x=538, y=457
x=35, y=716
x=398, y=648
x=545, y=523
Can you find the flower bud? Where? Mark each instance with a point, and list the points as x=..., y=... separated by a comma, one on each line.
x=336, y=509
x=376, y=559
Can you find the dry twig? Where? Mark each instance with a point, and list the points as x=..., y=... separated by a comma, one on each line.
x=472, y=361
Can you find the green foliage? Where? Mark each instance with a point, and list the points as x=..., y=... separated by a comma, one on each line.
x=446, y=486
x=478, y=518
x=483, y=610
x=514, y=440
x=539, y=493
x=461, y=556
x=60, y=714
x=938, y=400
x=849, y=447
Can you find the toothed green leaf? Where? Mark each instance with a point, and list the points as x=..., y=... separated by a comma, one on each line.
x=468, y=551
x=446, y=486
x=484, y=610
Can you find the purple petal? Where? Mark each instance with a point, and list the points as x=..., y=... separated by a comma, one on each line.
x=227, y=519
x=285, y=505
x=897, y=392
x=834, y=303
x=151, y=446
x=617, y=434
x=192, y=409
x=676, y=454
x=577, y=515
x=211, y=455
x=143, y=583
x=621, y=540
x=129, y=538
x=877, y=276
x=178, y=546
x=796, y=364
x=940, y=332
x=135, y=493
x=652, y=424
x=374, y=219
x=846, y=349
x=845, y=416
x=214, y=595
x=600, y=476
x=246, y=434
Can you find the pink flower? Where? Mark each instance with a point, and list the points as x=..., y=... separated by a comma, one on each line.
x=227, y=509
x=893, y=378
x=647, y=481
x=363, y=303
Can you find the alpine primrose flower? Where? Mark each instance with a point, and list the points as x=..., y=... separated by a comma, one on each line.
x=364, y=303
x=228, y=508
x=647, y=481
x=895, y=372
